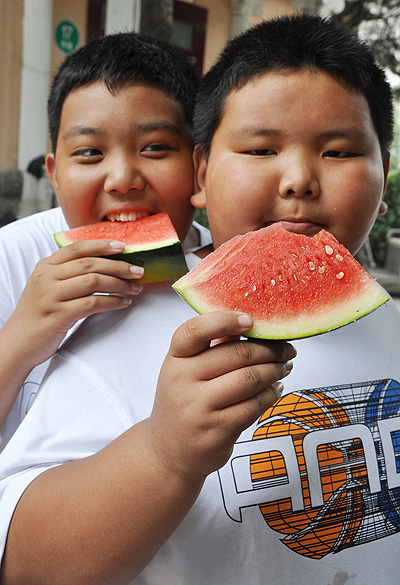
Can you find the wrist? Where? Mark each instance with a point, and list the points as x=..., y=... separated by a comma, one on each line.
x=171, y=465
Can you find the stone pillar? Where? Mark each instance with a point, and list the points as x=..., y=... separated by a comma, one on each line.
x=35, y=80
x=123, y=15
x=11, y=12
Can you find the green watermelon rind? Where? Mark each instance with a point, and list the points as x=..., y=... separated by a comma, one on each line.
x=163, y=258
x=290, y=329
x=323, y=315
x=166, y=263
x=62, y=240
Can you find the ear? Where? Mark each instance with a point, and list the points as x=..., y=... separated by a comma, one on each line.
x=198, y=200
x=51, y=170
x=386, y=164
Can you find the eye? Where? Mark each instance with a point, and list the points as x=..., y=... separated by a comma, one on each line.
x=88, y=152
x=339, y=154
x=260, y=152
x=157, y=148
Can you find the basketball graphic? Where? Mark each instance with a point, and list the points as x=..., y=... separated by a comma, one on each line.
x=318, y=530
x=323, y=467
x=384, y=403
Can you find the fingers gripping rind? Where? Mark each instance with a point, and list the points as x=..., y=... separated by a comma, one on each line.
x=195, y=335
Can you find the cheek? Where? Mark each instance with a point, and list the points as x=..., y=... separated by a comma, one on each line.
x=177, y=179
x=225, y=219
x=353, y=223
x=76, y=198
x=357, y=195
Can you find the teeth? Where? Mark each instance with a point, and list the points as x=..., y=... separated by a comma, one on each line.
x=131, y=216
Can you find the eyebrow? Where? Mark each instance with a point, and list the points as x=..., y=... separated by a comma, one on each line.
x=158, y=125
x=142, y=128
x=255, y=132
x=352, y=132
x=83, y=131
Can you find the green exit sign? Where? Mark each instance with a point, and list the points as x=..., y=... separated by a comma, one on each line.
x=66, y=36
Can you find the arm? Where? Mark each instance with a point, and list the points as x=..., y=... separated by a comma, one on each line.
x=100, y=520
x=57, y=295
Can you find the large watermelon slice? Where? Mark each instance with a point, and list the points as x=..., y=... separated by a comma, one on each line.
x=292, y=285
x=151, y=242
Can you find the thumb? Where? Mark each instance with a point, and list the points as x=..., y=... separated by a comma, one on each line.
x=196, y=335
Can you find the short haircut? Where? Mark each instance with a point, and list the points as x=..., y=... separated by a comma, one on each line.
x=124, y=59
x=299, y=41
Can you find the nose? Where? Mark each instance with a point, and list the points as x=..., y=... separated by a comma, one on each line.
x=299, y=180
x=123, y=176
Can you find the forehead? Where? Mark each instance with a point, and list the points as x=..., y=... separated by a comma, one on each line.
x=278, y=96
x=95, y=102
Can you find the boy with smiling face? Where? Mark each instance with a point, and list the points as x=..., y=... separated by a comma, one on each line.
x=120, y=117
x=203, y=482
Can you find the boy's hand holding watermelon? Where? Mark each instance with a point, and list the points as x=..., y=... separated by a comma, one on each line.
x=60, y=292
x=208, y=394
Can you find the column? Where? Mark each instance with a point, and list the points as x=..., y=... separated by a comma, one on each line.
x=123, y=15
x=35, y=80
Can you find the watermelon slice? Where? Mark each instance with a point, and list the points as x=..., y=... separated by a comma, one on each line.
x=151, y=242
x=292, y=285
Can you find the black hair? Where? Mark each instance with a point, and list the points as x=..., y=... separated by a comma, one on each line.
x=298, y=41
x=124, y=59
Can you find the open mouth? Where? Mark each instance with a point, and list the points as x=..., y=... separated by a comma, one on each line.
x=126, y=216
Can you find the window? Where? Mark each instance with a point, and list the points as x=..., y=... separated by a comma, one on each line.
x=189, y=30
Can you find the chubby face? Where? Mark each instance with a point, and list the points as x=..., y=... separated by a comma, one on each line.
x=298, y=148
x=122, y=156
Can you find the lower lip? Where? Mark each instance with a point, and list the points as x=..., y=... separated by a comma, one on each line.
x=301, y=227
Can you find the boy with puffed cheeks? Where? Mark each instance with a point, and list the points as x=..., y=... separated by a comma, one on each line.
x=293, y=124
x=120, y=119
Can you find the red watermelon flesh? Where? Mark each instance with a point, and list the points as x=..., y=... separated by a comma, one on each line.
x=153, y=231
x=151, y=242
x=292, y=285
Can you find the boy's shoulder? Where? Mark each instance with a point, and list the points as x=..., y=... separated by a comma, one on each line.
x=25, y=241
x=43, y=220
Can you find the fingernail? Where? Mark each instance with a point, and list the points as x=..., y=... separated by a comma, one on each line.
x=136, y=270
x=289, y=351
x=126, y=301
x=245, y=321
x=117, y=245
x=279, y=387
x=136, y=288
x=288, y=367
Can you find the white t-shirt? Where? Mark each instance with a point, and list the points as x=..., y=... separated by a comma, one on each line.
x=22, y=244
x=311, y=494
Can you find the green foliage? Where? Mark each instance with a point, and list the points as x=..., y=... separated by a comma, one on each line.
x=391, y=219
x=377, y=23
x=201, y=217
x=395, y=146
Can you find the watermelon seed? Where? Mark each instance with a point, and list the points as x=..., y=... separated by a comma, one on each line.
x=311, y=265
x=340, y=275
x=273, y=282
x=321, y=269
x=339, y=257
x=294, y=276
x=328, y=250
